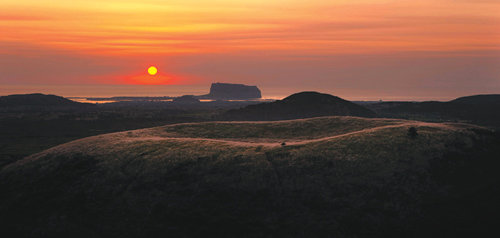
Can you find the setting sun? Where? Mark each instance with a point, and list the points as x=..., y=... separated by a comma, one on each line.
x=342, y=118
x=152, y=70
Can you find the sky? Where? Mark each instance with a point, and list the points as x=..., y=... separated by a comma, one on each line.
x=356, y=49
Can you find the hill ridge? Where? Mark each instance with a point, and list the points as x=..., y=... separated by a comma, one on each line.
x=158, y=134
x=299, y=105
x=348, y=167
x=292, y=142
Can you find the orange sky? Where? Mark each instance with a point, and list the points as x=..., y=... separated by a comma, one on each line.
x=303, y=44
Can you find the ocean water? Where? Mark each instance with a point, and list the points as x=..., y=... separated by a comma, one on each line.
x=105, y=91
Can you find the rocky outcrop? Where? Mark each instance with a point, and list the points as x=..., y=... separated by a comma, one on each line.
x=229, y=91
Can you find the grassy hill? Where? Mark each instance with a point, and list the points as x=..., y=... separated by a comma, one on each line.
x=491, y=99
x=477, y=109
x=38, y=101
x=334, y=176
x=299, y=105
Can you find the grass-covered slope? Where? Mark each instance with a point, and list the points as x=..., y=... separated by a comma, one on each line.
x=38, y=101
x=476, y=109
x=335, y=177
x=299, y=105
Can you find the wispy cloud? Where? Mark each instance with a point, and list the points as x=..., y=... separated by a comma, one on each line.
x=267, y=42
x=204, y=26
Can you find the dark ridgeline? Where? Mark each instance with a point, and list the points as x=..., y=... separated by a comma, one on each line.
x=479, y=99
x=299, y=105
x=229, y=91
x=186, y=99
x=478, y=109
x=38, y=101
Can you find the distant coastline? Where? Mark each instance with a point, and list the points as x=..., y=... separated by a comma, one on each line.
x=107, y=91
x=113, y=99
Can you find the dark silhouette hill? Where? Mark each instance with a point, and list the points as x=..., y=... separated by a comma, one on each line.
x=229, y=91
x=485, y=99
x=186, y=99
x=477, y=109
x=299, y=105
x=334, y=177
x=39, y=101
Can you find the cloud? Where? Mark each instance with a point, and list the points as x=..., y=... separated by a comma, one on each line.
x=186, y=27
x=24, y=63
x=374, y=47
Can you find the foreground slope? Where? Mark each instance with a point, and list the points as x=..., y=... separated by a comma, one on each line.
x=334, y=176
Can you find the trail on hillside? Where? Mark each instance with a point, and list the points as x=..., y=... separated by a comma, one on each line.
x=288, y=142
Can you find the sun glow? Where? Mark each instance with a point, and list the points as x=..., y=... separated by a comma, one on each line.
x=396, y=43
x=152, y=70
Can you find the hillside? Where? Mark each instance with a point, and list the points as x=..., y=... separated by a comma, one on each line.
x=186, y=99
x=479, y=99
x=38, y=101
x=477, y=109
x=334, y=176
x=299, y=105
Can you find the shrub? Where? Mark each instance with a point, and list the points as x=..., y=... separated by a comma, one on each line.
x=412, y=132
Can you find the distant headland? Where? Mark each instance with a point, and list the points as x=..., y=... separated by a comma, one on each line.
x=218, y=91
x=230, y=91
